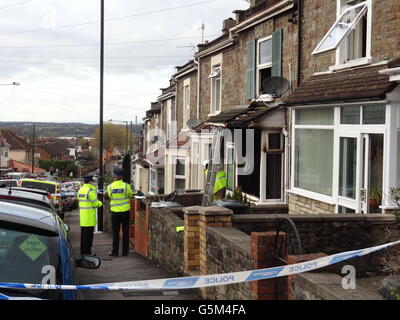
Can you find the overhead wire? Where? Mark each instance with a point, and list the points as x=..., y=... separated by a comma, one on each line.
x=77, y=57
x=107, y=20
x=15, y=4
x=106, y=44
x=83, y=66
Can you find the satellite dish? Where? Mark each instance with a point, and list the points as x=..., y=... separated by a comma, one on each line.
x=193, y=122
x=275, y=86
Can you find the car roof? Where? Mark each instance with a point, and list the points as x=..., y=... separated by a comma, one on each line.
x=41, y=181
x=31, y=190
x=24, y=194
x=12, y=213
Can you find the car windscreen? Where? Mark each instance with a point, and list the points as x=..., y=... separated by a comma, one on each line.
x=51, y=188
x=29, y=258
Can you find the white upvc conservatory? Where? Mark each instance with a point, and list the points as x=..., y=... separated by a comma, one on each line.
x=347, y=154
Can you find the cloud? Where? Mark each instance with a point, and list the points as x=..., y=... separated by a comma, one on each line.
x=60, y=77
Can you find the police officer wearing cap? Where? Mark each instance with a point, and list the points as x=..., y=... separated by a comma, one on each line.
x=119, y=193
x=88, y=202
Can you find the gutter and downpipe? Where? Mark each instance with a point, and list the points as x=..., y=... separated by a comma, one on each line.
x=197, y=62
x=393, y=73
x=299, y=39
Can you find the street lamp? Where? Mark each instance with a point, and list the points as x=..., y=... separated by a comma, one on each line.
x=101, y=143
x=76, y=144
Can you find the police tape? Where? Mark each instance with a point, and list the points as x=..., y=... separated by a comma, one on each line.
x=192, y=282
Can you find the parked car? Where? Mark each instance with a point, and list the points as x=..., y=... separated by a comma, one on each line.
x=28, y=197
x=53, y=187
x=34, y=248
x=76, y=185
x=16, y=175
x=71, y=199
x=6, y=183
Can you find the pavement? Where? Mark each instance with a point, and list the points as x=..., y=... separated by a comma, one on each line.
x=115, y=269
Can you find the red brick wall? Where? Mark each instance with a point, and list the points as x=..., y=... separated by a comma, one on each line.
x=141, y=233
x=262, y=252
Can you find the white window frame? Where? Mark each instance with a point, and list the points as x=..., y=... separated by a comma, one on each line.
x=263, y=173
x=182, y=160
x=261, y=66
x=169, y=118
x=215, y=75
x=343, y=10
x=303, y=192
x=349, y=130
x=230, y=150
x=341, y=51
x=152, y=182
x=195, y=163
x=186, y=103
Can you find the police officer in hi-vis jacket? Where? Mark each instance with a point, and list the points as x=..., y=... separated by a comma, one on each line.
x=88, y=202
x=119, y=193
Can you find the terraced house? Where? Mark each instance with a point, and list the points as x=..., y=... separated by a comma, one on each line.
x=346, y=119
x=226, y=85
x=314, y=84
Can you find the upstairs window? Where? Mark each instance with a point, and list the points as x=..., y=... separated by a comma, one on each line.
x=186, y=103
x=169, y=118
x=215, y=77
x=350, y=34
x=264, y=61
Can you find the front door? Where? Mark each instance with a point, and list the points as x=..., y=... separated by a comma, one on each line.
x=360, y=177
x=372, y=173
x=349, y=173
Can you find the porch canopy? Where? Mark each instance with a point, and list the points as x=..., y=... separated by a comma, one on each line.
x=358, y=84
x=242, y=116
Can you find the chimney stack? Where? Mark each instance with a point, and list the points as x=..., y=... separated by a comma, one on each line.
x=227, y=24
x=254, y=3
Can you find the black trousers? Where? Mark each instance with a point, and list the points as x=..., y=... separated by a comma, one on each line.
x=118, y=219
x=86, y=240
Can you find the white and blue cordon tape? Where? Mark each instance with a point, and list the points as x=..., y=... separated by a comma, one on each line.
x=210, y=280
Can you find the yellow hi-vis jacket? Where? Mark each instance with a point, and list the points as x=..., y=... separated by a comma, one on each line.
x=88, y=203
x=220, y=180
x=120, y=193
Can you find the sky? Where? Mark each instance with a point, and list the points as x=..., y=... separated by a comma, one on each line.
x=51, y=48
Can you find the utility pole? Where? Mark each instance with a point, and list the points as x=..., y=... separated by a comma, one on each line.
x=203, y=27
x=131, y=140
x=101, y=144
x=33, y=148
x=126, y=137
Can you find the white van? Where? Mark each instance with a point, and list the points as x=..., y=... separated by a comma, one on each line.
x=16, y=175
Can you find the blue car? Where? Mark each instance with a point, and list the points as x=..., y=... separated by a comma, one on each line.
x=34, y=248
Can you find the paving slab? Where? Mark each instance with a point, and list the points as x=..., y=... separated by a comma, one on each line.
x=116, y=269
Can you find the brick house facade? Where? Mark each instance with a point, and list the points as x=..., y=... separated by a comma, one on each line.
x=345, y=125
x=357, y=77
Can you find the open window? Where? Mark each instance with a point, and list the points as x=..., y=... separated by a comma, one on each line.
x=351, y=26
x=215, y=77
x=264, y=62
